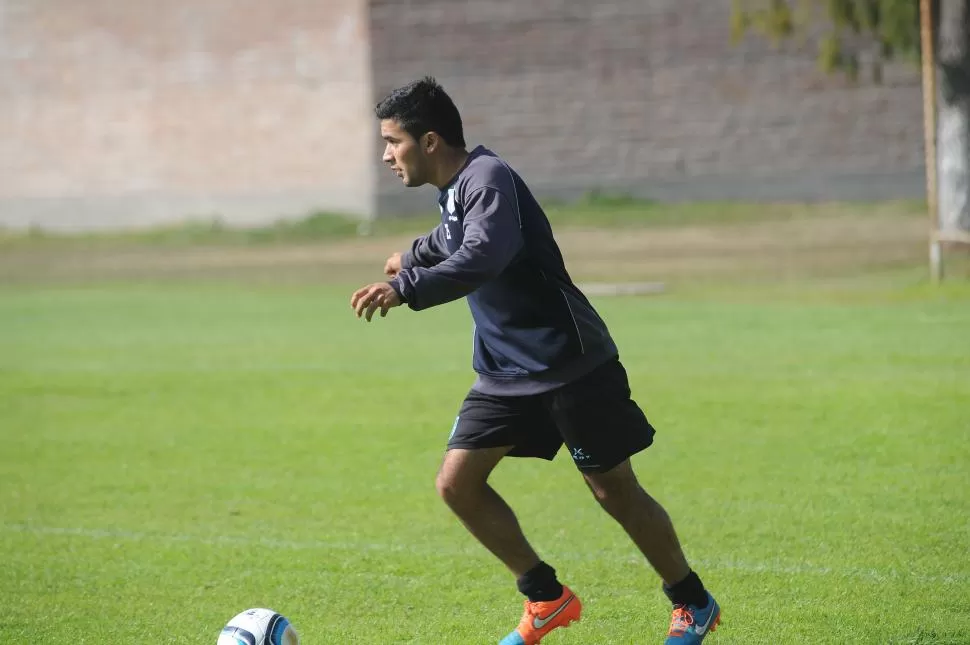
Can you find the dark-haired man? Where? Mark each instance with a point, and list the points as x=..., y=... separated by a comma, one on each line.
x=547, y=369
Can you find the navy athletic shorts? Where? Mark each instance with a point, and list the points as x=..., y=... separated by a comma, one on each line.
x=594, y=416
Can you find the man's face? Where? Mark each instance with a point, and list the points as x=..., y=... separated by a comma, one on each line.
x=403, y=154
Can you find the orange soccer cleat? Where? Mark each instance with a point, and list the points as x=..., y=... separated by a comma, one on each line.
x=542, y=617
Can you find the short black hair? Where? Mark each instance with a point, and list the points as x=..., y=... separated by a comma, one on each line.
x=424, y=106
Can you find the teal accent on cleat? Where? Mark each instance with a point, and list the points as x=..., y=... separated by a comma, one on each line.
x=690, y=625
x=515, y=638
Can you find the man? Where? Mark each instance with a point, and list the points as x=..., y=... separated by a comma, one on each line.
x=548, y=371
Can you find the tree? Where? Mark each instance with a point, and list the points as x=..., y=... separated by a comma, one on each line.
x=953, y=134
x=852, y=33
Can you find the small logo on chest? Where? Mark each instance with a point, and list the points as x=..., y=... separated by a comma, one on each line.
x=450, y=206
x=451, y=201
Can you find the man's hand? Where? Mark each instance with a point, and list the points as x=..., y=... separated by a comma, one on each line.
x=393, y=265
x=369, y=299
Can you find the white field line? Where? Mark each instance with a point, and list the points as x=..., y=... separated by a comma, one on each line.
x=773, y=567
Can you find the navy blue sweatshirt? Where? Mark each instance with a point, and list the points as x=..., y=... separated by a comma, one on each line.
x=534, y=329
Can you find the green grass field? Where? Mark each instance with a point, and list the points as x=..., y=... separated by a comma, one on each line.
x=178, y=450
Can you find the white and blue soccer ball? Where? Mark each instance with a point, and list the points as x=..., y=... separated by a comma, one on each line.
x=258, y=627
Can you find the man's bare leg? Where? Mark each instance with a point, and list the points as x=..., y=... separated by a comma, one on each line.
x=463, y=484
x=643, y=518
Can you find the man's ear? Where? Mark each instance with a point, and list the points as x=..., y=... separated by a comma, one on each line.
x=430, y=141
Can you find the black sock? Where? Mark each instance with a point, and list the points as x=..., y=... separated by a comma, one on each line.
x=540, y=584
x=689, y=591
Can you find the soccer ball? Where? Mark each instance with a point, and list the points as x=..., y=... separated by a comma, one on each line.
x=258, y=627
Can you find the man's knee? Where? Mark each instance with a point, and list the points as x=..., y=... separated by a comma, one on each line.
x=452, y=489
x=616, y=490
x=463, y=475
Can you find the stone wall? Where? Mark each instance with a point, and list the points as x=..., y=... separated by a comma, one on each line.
x=127, y=114
x=651, y=97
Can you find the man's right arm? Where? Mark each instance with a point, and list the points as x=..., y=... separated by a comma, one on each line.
x=427, y=251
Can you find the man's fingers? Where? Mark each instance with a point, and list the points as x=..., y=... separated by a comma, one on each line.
x=393, y=265
x=364, y=300
x=357, y=296
x=385, y=306
x=373, y=305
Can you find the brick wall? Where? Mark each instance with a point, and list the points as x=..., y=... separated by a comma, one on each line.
x=134, y=113
x=650, y=97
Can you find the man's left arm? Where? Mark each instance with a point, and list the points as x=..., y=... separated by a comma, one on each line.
x=491, y=240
